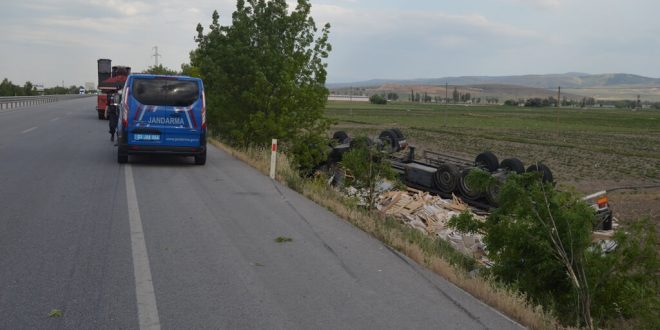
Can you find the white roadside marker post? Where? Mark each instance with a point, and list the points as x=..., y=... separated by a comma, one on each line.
x=273, y=159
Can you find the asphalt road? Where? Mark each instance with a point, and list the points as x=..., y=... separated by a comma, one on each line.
x=163, y=243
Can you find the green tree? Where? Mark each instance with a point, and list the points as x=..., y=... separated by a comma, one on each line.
x=73, y=89
x=56, y=90
x=6, y=88
x=160, y=69
x=377, y=99
x=29, y=89
x=190, y=70
x=455, y=95
x=265, y=74
x=366, y=166
x=540, y=241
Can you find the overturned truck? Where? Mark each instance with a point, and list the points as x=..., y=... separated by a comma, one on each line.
x=445, y=175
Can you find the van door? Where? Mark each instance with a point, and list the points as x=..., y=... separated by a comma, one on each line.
x=168, y=112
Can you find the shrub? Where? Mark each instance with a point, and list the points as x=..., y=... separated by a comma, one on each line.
x=377, y=99
x=540, y=241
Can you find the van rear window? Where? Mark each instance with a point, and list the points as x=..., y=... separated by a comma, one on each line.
x=165, y=91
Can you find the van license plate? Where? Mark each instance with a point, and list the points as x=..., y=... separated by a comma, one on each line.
x=146, y=137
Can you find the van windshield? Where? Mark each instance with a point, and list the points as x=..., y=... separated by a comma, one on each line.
x=165, y=91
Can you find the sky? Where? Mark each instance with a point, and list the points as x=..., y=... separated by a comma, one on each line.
x=55, y=42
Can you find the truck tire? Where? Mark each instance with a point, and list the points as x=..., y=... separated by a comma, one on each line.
x=341, y=137
x=513, y=165
x=546, y=174
x=398, y=133
x=446, y=178
x=465, y=189
x=488, y=161
x=337, y=177
x=493, y=194
x=390, y=140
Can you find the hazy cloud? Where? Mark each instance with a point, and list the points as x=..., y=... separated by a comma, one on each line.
x=542, y=4
x=49, y=41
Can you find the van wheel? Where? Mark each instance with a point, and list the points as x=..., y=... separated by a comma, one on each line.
x=122, y=158
x=200, y=159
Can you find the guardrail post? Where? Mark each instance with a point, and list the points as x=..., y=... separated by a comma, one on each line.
x=273, y=158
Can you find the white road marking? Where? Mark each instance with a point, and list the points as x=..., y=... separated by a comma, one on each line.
x=144, y=289
x=29, y=130
x=55, y=119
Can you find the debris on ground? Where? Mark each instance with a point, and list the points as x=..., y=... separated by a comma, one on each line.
x=429, y=214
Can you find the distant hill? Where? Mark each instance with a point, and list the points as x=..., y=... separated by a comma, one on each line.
x=574, y=85
x=499, y=91
x=573, y=80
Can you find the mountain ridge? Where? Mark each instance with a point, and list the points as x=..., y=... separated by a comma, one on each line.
x=573, y=80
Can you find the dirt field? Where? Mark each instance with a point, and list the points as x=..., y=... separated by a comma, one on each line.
x=589, y=149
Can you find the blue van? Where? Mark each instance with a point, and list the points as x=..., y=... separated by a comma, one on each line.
x=162, y=115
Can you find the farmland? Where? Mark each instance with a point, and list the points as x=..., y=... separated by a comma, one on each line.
x=589, y=149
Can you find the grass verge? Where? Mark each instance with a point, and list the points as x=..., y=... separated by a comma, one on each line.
x=435, y=254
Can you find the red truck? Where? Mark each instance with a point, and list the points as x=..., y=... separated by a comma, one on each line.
x=111, y=79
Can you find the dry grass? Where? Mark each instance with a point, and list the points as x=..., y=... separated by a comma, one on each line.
x=510, y=303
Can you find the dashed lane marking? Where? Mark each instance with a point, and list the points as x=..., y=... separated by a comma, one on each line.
x=29, y=130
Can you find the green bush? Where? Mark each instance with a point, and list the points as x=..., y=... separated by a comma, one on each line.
x=540, y=240
x=366, y=167
x=308, y=151
x=377, y=99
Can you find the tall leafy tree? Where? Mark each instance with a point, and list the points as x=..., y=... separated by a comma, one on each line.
x=28, y=88
x=265, y=74
x=6, y=88
x=160, y=69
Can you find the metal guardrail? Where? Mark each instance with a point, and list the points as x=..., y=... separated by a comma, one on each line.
x=10, y=102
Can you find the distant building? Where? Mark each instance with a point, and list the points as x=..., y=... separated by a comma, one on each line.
x=353, y=98
x=90, y=86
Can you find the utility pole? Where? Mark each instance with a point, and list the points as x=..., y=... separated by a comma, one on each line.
x=639, y=102
x=557, y=111
x=350, y=98
x=446, y=92
x=558, y=96
x=156, y=55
